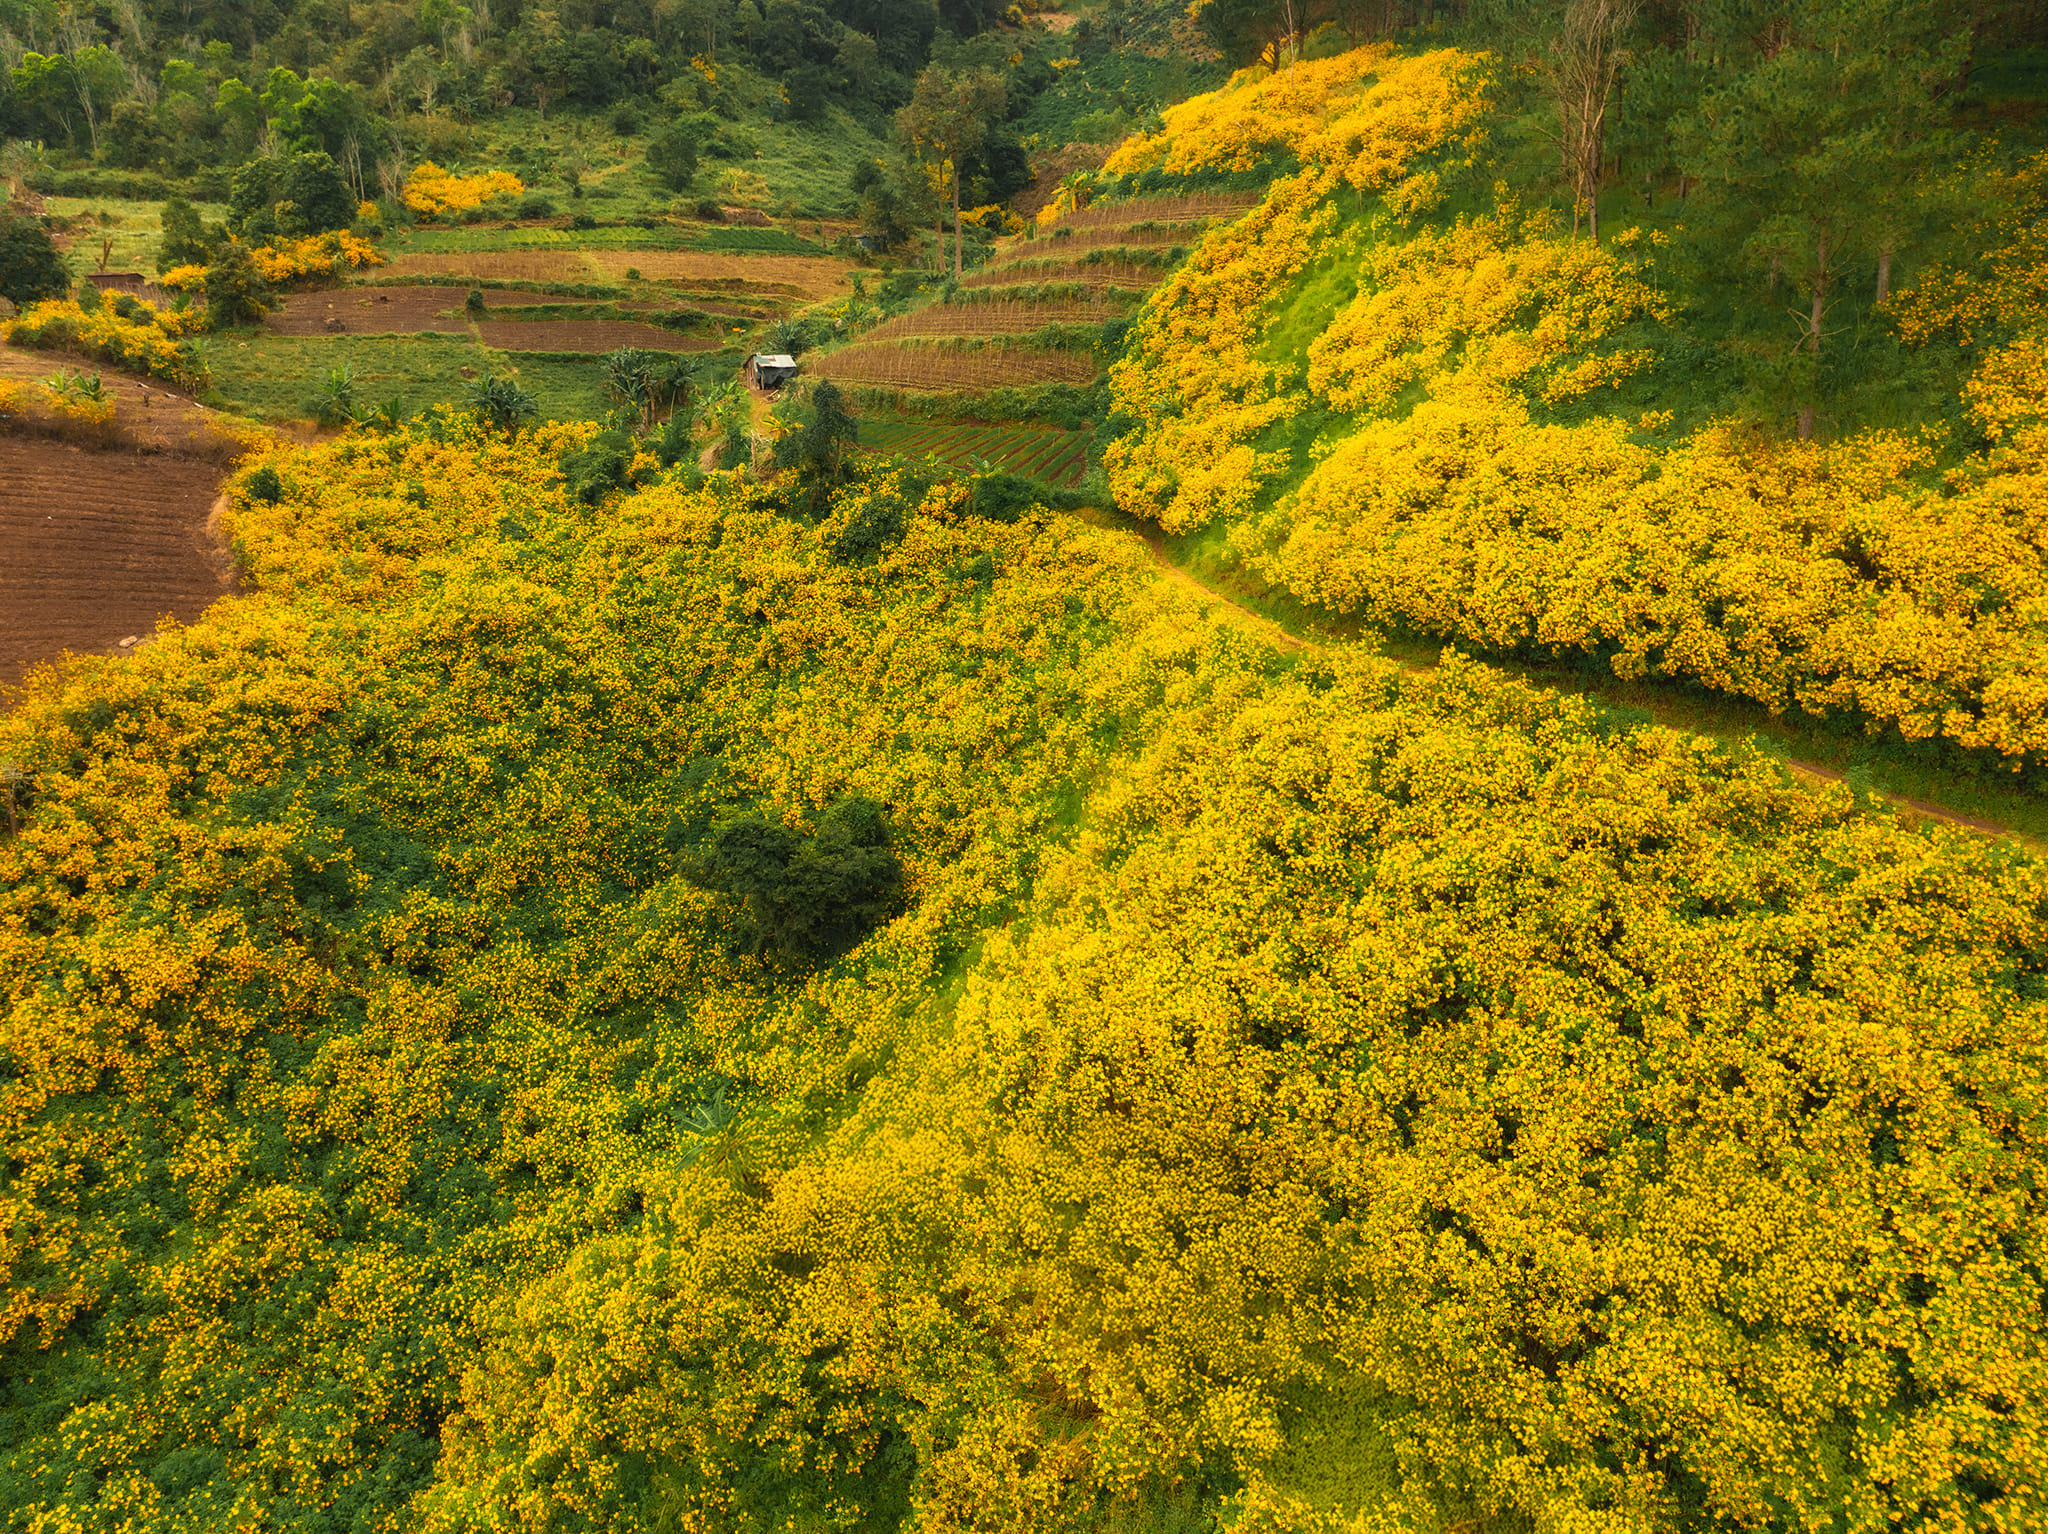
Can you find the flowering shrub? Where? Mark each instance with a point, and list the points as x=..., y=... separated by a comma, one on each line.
x=432, y=190
x=183, y=279
x=1263, y=1059
x=1364, y=116
x=318, y=255
x=153, y=344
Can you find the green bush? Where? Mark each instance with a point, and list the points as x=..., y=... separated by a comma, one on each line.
x=30, y=266
x=810, y=897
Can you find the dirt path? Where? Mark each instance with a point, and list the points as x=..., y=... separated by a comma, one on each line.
x=1808, y=772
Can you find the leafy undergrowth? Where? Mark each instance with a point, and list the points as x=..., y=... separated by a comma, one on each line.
x=662, y=1015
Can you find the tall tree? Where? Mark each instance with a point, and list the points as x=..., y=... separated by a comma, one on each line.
x=948, y=117
x=1812, y=140
x=1579, y=68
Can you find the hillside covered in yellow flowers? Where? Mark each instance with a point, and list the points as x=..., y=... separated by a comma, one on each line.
x=1268, y=1087
x=699, y=1007
x=1398, y=395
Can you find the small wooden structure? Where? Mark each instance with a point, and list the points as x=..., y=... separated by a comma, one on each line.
x=767, y=370
x=129, y=282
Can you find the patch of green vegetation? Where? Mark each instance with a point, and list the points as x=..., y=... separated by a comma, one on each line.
x=273, y=377
x=134, y=228
x=1114, y=83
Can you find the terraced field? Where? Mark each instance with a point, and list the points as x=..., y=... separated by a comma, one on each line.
x=940, y=369
x=992, y=319
x=1127, y=275
x=751, y=276
x=586, y=336
x=1161, y=210
x=1047, y=453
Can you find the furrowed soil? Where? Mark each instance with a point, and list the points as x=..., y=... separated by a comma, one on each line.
x=372, y=311
x=99, y=547
x=992, y=319
x=930, y=367
x=1095, y=274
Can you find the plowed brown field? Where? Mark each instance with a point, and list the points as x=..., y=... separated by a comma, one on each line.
x=99, y=546
x=805, y=276
x=371, y=311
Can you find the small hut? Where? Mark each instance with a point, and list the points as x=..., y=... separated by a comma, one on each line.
x=129, y=282
x=770, y=371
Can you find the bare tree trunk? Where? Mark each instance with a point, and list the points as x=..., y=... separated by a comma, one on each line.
x=1884, y=273
x=1813, y=328
x=956, y=221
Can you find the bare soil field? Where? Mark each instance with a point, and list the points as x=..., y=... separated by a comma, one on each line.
x=371, y=312
x=586, y=336
x=151, y=417
x=1095, y=274
x=932, y=367
x=813, y=277
x=507, y=265
x=99, y=546
x=1165, y=210
x=992, y=319
x=1047, y=248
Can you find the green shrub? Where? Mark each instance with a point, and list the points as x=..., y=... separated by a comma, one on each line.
x=809, y=896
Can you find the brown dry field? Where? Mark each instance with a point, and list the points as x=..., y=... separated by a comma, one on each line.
x=586, y=336
x=992, y=319
x=371, y=311
x=813, y=276
x=99, y=547
x=1096, y=274
x=807, y=276
x=1143, y=210
x=932, y=367
x=151, y=418
x=1048, y=249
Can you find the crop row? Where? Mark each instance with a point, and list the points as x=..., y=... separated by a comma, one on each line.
x=999, y=318
x=1093, y=274
x=1040, y=452
x=1158, y=210
x=932, y=367
x=1095, y=239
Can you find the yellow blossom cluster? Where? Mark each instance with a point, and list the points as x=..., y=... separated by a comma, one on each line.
x=1505, y=299
x=318, y=255
x=1390, y=1102
x=1197, y=375
x=432, y=190
x=151, y=342
x=1364, y=114
x=1449, y=493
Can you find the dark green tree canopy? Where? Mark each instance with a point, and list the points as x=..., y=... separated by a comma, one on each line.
x=809, y=896
x=31, y=267
x=293, y=193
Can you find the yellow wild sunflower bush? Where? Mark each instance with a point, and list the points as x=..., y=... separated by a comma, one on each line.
x=1269, y=1089
x=318, y=255
x=153, y=341
x=431, y=190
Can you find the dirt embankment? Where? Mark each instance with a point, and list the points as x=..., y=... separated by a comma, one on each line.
x=103, y=541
